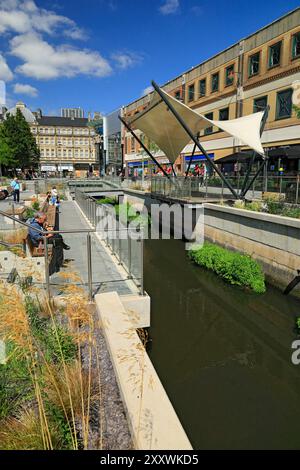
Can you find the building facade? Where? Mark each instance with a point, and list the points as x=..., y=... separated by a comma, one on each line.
x=67, y=145
x=112, y=142
x=260, y=70
x=72, y=112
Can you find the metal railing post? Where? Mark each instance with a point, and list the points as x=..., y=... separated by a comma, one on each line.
x=142, y=261
x=13, y=214
x=129, y=252
x=47, y=277
x=89, y=261
x=297, y=189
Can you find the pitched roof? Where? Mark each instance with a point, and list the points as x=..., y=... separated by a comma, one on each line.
x=62, y=121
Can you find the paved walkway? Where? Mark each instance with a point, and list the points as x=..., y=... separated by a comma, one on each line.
x=106, y=276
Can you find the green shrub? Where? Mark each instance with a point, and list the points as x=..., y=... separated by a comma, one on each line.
x=56, y=343
x=107, y=200
x=298, y=323
x=35, y=205
x=235, y=268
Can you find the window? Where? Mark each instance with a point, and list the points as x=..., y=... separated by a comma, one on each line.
x=274, y=55
x=191, y=92
x=178, y=95
x=296, y=46
x=260, y=104
x=254, y=64
x=132, y=145
x=224, y=114
x=202, y=87
x=284, y=104
x=215, y=82
x=209, y=130
x=229, y=75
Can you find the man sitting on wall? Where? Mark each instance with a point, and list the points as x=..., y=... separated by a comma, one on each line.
x=55, y=239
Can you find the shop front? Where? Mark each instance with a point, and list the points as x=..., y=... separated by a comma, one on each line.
x=198, y=161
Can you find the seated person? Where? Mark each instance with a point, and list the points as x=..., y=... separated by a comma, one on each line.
x=55, y=239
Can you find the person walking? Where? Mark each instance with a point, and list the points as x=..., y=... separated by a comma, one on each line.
x=16, y=189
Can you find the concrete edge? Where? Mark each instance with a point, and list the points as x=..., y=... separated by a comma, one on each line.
x=274, y=219
x=153, y=422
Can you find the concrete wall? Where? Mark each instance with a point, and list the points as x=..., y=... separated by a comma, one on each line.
x=273, y=240
x=152, y=419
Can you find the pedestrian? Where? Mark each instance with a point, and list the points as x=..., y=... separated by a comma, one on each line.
x=56, y=240
x=16, y=189
x=54, y=196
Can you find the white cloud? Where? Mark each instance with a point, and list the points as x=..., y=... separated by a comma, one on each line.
x=23, y=89
x=5, y=72
x=41, y=60
x=23, y=16
x=125, y=60
x=147, y=90
x=169, y=7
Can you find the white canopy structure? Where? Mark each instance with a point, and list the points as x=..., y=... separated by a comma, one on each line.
x=161, y=126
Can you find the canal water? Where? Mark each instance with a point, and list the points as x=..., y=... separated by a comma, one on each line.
x=223, y=354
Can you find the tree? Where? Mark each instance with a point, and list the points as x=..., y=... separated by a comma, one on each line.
x=23, y=150
x=6, y=155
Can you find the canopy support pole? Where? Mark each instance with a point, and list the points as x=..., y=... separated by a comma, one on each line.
x=143, y=146
x=260, y=168
x=262, y=127
x=193, y=138
x=191, y=159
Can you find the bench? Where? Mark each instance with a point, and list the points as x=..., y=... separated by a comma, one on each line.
x=16, y=211
x=36, y=251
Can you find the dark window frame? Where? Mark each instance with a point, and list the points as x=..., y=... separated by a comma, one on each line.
x=209, y=130
x=222, y=110
x=226, y=75
x=216, y=74
x=203, y=80
x=191, y=87
x=279, y=94
x=294, y=39
x=278, y=43
x=250, y=75
x=255, y=110
x=178, y=95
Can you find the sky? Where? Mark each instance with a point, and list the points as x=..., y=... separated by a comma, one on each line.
x=102, y=54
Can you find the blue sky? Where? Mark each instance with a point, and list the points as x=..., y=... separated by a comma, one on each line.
x=101, y=54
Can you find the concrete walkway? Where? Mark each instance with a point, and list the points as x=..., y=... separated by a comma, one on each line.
x=106, y=275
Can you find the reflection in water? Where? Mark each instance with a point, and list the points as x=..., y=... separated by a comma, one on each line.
x=223, y=354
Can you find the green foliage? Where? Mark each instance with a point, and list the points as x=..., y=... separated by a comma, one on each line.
x=35, y=205
x=107, y=200
x=233, y=267
x=6, y=154
x=297, y=111
x=298, y=323
x=53, y=339
x=58, y=421
x=19, y=142
x=15, y=383
x=29, y=213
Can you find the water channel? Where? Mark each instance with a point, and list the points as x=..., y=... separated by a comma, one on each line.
x=223, y=354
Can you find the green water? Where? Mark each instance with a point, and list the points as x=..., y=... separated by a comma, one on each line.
x=223, y=354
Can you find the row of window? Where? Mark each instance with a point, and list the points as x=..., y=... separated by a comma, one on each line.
x=284, y=107
x=52, y=152
x=63, y=131
x=274, y=60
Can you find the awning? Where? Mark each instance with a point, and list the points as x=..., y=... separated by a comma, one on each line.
x=199, y=157
x=292, y=152
x=48, y=167
x=236, y=157
x=161, y=126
